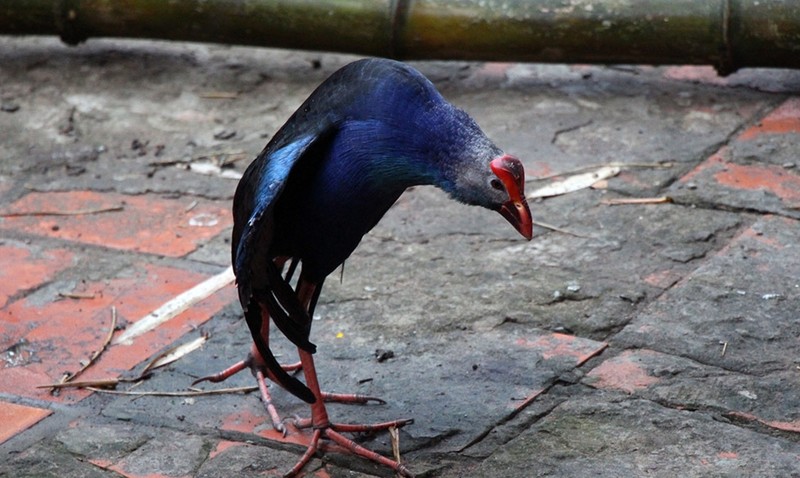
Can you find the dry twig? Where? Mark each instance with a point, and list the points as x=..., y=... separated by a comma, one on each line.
x=614, y=164
x=77, y=212
x=621, y=201
x=76, y=295
x=189, y=393
x=69, y=377
x=394, y=433
x=558, y=229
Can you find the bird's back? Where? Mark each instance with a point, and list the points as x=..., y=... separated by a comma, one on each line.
x=324, y=207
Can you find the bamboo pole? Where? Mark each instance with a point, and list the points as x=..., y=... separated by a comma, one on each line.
x=728, y=34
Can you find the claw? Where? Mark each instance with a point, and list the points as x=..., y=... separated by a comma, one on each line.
x=354, y=398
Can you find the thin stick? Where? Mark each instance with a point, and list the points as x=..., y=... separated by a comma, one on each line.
x=190, y=393
x=592, y=167
x=75, y=295
x=105, y=383
x=558, y=229
x=77, y=212
x=68, y=377
x=620, y=201
x=177, y=305
x=395, y=436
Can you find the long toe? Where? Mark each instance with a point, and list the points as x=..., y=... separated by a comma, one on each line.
x=353, y=398
x=363, y=452
x=225, y=374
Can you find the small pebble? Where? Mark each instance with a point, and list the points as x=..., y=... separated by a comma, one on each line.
x=573, y=288
x=9, y=107
x=383, y=355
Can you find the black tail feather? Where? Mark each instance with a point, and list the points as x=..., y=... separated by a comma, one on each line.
x=293, y=385
x=285, y=309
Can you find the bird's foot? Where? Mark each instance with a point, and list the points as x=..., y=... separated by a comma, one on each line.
x=260, y=373
x=302, y=423
x=333, y=432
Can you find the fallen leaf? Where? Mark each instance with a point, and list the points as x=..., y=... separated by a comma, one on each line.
x=575, y=183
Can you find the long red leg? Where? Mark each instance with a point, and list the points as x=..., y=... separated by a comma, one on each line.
x=319, y=421
x=319, y=413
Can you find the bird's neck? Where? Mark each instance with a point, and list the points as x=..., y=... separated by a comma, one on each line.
x=388, y=159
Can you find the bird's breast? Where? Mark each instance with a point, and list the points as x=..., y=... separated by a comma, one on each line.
x=323, y=222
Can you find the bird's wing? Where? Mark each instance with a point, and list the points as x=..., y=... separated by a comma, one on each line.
x=343, y=95
x=260, y=187
x=254, y=204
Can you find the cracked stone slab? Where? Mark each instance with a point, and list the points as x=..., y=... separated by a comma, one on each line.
x=456, y=387
x=169, y=454
x=247, y=460
x=765, y=400
x=47, y=460
x=461, y=374
x=112, y=450
x=604, y=435
x=725, y=179
x=578, y=115
x=108, y=442
x=757, y=171
x=746, y=297
x=434, y=265
x=438, y=284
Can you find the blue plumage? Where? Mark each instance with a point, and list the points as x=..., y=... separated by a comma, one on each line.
x=370, y=131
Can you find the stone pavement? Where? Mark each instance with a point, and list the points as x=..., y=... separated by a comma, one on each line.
x=656, y=339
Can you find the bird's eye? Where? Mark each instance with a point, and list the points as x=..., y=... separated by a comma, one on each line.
x=496, y=184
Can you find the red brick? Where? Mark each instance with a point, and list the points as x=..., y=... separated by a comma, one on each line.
x=144, y=224
x=62, y=333
x=22, y=268
x=625, y=372
x=784, y=119
x=17, y=418
x=700, y=74
x=246, y=422
x=222, y=446
x=563, y=345
x=778, y=180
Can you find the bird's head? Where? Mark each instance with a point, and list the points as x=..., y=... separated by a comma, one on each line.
x=418, y=137
x=481, y=174
x=510, y=179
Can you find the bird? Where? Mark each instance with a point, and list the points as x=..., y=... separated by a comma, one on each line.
x=373, y=129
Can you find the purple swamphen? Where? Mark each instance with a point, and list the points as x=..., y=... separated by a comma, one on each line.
x=371, y=130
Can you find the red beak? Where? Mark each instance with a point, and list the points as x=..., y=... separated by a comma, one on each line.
x=511, y=172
